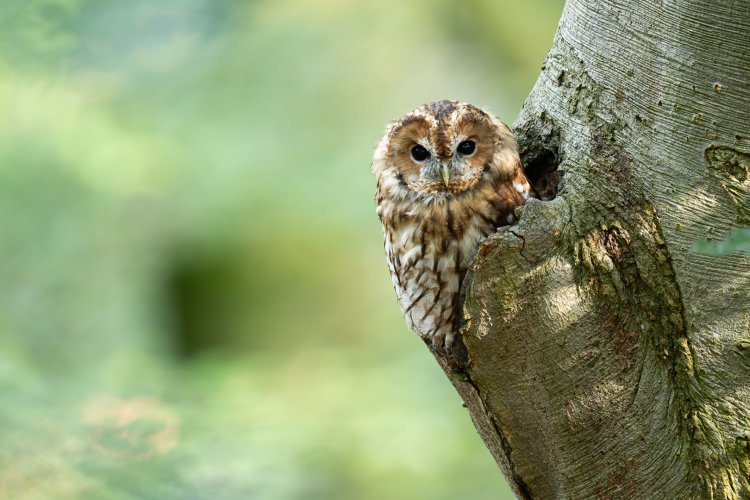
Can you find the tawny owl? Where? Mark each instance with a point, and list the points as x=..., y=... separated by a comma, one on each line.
x=448, y=174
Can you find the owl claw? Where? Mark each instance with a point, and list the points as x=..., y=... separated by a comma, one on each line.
x=449, y=342
x=450, y=347
x=442, y=343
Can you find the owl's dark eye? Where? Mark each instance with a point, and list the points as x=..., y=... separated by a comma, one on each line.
x=466, y=147
x=419, y=153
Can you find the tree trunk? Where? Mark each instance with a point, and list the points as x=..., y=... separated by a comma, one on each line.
x=604, y=357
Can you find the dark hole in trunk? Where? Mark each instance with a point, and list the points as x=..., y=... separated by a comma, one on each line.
x=539, y=143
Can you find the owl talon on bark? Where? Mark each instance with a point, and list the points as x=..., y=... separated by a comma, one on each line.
x=441, y=343
x=448, y=174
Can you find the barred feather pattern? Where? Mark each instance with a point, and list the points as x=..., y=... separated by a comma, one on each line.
x=432, y=226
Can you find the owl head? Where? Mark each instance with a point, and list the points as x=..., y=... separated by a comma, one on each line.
x=442, y=149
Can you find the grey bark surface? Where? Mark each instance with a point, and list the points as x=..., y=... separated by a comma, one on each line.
x=604, y=357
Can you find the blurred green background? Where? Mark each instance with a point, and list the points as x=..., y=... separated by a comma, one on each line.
x=194, y=301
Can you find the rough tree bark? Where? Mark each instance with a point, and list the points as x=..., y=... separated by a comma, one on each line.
x=604, y=358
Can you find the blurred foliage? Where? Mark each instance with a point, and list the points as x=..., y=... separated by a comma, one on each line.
x=737, y=241
x=195, y=300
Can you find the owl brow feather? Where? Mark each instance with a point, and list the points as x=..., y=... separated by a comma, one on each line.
x=406, y=121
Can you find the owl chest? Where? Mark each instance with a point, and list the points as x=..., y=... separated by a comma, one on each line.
x=427, y=264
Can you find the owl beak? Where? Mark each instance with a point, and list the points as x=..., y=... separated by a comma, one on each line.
x=446, y=174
